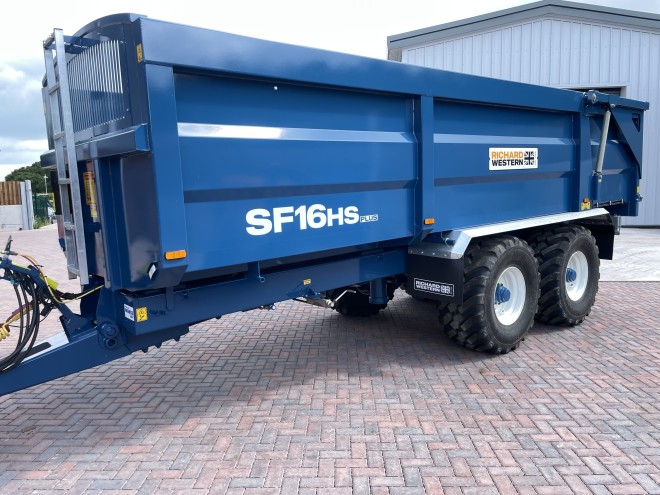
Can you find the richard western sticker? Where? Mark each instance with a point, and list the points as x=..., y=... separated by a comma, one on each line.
x=434, y=287
x=513, y=158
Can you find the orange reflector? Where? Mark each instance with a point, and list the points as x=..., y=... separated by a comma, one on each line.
x=175, y=255
x=429, y=221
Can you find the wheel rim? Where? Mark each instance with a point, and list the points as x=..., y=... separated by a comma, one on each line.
x=509, y=296
x=577, y=276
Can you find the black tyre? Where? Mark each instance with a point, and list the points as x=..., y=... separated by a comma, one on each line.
x=500, y=296
x=354, y=301
x=569, y=266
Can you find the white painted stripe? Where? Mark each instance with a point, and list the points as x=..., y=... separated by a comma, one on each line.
x=195, y=130
x=57, y=340
x=500, y=140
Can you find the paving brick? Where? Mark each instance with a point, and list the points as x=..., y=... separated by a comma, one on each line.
x=302, y=400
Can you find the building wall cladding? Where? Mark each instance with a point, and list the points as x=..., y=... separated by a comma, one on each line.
x=570, y=53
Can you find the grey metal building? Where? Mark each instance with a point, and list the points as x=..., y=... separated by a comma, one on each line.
x=561, y=44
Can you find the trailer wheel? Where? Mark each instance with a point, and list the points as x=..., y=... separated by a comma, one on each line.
x=354, y=301
x=500, y=296
x=569, y=266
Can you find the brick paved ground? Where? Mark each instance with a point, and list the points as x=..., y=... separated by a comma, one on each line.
x=302, y=400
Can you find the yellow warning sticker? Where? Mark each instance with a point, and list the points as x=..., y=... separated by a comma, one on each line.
x=138, y=48
x=90, y=194
x=307, y=281
x=141, y=314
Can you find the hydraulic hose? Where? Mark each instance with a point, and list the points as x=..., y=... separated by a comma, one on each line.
x=24, y=321
x=36, y=295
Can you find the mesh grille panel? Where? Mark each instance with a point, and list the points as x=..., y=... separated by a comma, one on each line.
x=96, y=88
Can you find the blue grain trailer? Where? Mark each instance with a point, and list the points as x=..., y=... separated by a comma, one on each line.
x=201, y=173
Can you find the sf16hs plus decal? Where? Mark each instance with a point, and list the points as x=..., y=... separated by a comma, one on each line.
x=262, y=221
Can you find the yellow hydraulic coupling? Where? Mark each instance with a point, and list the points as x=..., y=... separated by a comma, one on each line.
x=4, y=329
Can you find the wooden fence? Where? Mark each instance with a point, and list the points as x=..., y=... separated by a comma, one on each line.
x=10, y=193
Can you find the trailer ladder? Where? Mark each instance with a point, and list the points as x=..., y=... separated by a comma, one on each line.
x=58, y=101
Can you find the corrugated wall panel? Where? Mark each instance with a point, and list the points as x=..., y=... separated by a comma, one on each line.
x=624, y=68
x=535, y=74
x=555, y=54
x=633, y=75
x=477, y=53
x=487, y=58
x=652, y=174
x=516, y=52
x=506, y=55
x=593, y=62
x=448, y=56
x=605, y=53
x=468, y=53
x=496, y=55
x=573, y=41
x=567, y=53
x=526, y=60
x=429, y=60
x=545, y=52
x=457, y=52
x=585, y=52
x=615, y=52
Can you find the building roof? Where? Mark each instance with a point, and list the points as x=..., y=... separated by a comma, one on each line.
x=543, y=8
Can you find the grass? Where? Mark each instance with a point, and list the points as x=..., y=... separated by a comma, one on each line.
x=40, y=222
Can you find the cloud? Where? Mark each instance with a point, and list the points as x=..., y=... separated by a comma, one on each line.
x=10, y=74
x=19, y=152
x=22, y=124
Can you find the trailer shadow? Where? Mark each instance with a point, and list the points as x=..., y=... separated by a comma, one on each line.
x=247, y=356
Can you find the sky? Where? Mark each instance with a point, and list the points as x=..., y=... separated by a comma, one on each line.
x=360, y=27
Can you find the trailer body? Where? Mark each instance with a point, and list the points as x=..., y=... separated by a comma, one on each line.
x=219, y=173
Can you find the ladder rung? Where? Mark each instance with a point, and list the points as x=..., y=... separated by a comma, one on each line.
x=69, y=226
x=49, y=41
x=65, y=181
x=73, y=269
x=53, y=88
x=58, y=135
